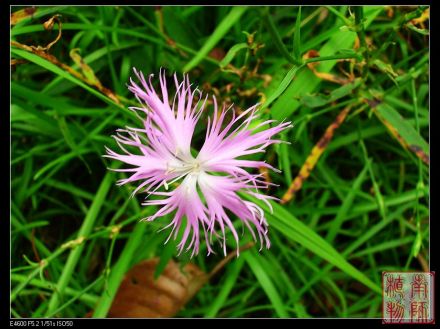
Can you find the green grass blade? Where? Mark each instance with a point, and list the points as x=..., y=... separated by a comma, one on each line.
x=292, y=228
x=297, y=38
x=231, y=276
x=85, y=230
x=222, y=28
x=403, y=131
x=306, y=81
x=118, y=271
x=283, y=86
x=58, y=71
x=346, y=205
x=266, y=283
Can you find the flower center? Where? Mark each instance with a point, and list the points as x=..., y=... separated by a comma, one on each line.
x=196, y=166
x=183, y=168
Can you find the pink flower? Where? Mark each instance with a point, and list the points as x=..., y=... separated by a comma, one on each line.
x=207, y=183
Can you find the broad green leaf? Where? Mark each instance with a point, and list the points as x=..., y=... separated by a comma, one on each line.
x=320, y=100
x=283, y=85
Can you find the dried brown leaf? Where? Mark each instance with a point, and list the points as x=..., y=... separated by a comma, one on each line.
x=314, y=156
x=19, y=15
x=87, y=71
x=139, y=295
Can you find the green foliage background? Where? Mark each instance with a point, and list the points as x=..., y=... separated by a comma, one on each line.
x=363, y=210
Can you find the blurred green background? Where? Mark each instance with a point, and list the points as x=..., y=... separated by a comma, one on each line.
x=362, y=210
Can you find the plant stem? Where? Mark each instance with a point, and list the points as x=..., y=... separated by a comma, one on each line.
x=359, y=17
x=330, y=58
x=84, y=297
x=34, y=273
x=277, y=38
x=76, y=296
x=118, y=271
